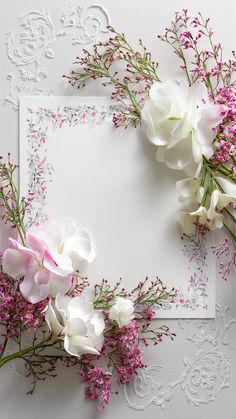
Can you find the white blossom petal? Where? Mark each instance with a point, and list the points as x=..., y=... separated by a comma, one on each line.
x=228, y=186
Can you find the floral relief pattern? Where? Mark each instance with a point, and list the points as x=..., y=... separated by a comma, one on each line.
x=204, y=376
x=32, y=42
x=89, y=23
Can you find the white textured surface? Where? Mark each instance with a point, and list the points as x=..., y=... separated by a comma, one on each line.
x=197, y=371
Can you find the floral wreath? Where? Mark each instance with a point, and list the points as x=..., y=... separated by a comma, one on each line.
x=192, y=122
x=99, y=328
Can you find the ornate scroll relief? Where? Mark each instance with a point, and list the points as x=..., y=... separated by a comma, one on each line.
x=204, y=376
x=89, y=23
x=32, y=41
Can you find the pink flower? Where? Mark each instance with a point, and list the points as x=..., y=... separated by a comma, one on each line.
x=39, y=282
x=48, y=259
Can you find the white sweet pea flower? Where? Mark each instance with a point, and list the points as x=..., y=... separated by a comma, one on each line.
x=77, y=322
x=122, y=311
x=190, y=190
x=68, y=247
x=49, y=258
x=212, y=217
x=181, y=120
x=218, y=202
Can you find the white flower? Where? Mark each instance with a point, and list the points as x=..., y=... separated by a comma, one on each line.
x=68, y=247
x=122, y=311
x=212, y=217
x=78, y=323
x=201, y=214
x=190, y=190
x=180, y=120
x=48, y=259
x=218, y=202
x=188, y=221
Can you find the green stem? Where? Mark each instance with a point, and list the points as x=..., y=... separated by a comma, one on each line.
x=230, y=214
x=23, y=352
x=230, y=231
x=4, y=347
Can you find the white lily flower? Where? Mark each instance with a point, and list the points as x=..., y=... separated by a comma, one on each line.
x=122, y=311
x=181, y=120
x=190, y=190
x=78, y=323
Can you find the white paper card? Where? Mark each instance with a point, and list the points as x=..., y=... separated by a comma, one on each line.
x=107, y=181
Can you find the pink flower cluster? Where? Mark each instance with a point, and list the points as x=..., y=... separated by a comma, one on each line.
x=99, y=383
x=17, y=314
x=127, y=352
x=226, y=251
x=226, y=144
x=123, y=350
x=186, y=33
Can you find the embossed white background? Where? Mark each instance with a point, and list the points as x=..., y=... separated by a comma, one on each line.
x=194, y=376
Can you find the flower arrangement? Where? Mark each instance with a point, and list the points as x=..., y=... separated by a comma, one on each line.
x=191, y=121
x=50, y=315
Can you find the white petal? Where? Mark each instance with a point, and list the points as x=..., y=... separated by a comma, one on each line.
x=76, y=327
x=187, y=189
x=216, y=223
x=228, y=186
x=214, y=200
x=79, y=307
x=63, y=262
x=201, y=213
x=69, y=346
x=33, y=292
x=59, y=284
x=176, y=157
x=197, y=93
x=52, y=321
x=98, y=322
x=79, y=345
x=61, y=304
x=187, y=223
x=14, y=263
x=149, y=115
x=211, y=116
x=196, y=148
x=224, y=201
